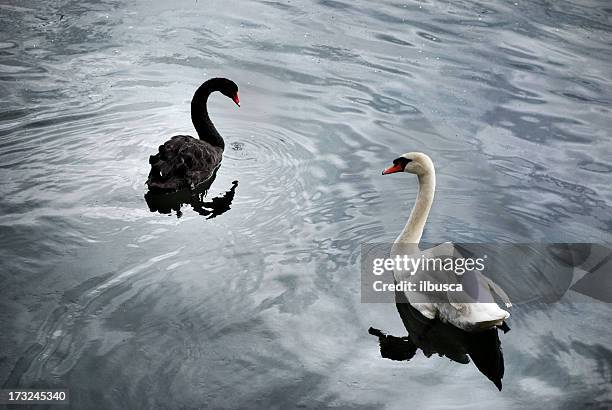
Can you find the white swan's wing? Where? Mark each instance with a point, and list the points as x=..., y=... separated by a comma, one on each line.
x=475, y=308
x=472, y=308
x=473, y=316
x=495, y=288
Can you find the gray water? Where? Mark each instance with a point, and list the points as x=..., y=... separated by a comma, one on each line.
x=260, y=306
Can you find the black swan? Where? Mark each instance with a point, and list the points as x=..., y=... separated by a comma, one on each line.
x=183, y=162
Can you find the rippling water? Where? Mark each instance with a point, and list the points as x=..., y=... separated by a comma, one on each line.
x=260, y=306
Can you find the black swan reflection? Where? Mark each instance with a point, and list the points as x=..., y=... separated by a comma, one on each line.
x=166, y=203
x=184, y=162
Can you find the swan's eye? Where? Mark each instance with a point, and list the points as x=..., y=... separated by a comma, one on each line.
x=401, y=161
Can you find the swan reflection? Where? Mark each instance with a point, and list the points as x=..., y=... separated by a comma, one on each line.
x=166, y=203
x=433, y=336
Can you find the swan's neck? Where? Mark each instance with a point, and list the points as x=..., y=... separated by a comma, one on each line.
x=199, y=116
x=416, y=223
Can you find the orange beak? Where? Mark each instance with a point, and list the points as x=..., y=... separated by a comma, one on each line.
x=236, y=99
x=393, y=169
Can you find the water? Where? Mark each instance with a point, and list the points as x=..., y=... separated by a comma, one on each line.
x=260, y=306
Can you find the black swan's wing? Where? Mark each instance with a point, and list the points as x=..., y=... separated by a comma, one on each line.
x=183, y=162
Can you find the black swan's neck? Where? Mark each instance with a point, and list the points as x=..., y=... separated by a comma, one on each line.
x=199, y=116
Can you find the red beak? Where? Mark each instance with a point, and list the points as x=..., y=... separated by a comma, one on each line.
x=236, y=99
x=393, y=169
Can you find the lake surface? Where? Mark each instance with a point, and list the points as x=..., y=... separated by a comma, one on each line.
x=260, y=306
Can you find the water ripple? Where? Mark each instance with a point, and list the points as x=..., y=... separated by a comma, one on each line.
x=510, y=98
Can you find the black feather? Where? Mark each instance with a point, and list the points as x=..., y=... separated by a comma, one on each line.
x=183, y=162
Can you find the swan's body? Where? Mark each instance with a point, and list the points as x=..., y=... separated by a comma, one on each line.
x=183, y=162
x=484, y=313
x=471, y=309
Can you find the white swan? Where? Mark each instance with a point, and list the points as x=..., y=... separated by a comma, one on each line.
x=483, y=312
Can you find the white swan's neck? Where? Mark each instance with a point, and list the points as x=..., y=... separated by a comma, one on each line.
x=416, y=223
